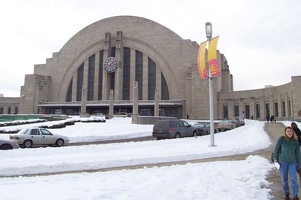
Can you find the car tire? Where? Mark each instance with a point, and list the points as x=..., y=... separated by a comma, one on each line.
x=59, y=142
x=195, y=134
x=6, y=147
x=178, y=135
x=27, y=143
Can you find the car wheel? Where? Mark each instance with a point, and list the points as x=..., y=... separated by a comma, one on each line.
x=178, y=135
x=59, y=142
x=6, y=147
x=27, y=144
x=195, y=134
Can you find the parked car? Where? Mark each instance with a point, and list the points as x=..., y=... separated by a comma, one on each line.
x=97, y=115
x=7, y=145
x=236, y=122
x=29, y=137
x=173, y=128
x=227, y=124
x=203, y=128
x=241, y=121
x=121, y=114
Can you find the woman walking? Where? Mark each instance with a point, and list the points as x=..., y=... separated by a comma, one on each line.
x=297, y=131
x=287, y=154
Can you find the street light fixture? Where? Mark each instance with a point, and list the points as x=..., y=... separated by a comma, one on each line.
x=208, y=29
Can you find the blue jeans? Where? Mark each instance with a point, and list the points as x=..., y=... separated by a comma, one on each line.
x=291, y=170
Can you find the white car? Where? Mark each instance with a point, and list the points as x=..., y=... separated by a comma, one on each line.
x=227, y=124
x=29, y=137
x=7, y=145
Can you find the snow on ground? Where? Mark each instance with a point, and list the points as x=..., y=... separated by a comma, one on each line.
x=211, y=180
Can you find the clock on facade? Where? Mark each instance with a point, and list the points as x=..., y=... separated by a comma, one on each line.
x=110, y=64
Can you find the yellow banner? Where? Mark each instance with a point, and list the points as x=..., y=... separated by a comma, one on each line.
x=212, y=58
x=201, y=61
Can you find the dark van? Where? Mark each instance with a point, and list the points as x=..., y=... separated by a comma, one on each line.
x=173, y=128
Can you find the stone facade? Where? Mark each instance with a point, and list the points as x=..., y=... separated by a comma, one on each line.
x=9, y=105
x=160, y=61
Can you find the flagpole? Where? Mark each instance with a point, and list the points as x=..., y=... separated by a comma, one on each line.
x=208, y=28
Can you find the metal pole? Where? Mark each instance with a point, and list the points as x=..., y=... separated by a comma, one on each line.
x=211, y=110
x=208, y=29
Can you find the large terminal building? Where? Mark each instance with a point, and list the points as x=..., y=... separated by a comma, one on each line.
x=112, y=54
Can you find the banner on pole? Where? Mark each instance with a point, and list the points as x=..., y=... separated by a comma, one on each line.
x=201, y=61
x=212, y=58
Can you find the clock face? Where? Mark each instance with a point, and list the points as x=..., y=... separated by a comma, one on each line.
x=110, y=64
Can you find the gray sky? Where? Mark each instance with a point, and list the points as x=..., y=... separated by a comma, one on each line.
x=260, y=38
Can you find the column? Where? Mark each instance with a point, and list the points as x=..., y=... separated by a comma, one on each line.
x=156, y=108
x=111, y=105
x=83, y=112
x=272, y=106
x=158, y=82
x=280, y=115
x=106, y=54
x=145, y=78
x=252, y=107
x=133, y=72
x=135, y=104
x=74, y=86
x=119, y=70
x=96, y=76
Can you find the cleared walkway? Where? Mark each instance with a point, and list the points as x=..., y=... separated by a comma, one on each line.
x=274, y=130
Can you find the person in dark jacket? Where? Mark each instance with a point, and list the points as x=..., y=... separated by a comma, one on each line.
x=297, y=131
x=267, y=118
x=287, y=154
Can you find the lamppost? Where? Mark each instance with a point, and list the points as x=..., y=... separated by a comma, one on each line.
x=208, y=29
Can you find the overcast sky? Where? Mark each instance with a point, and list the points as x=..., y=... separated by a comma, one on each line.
x=260, y=38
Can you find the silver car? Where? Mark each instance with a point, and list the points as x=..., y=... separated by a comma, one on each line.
x=226, y=125
x=7, y=145
x=38, y=137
